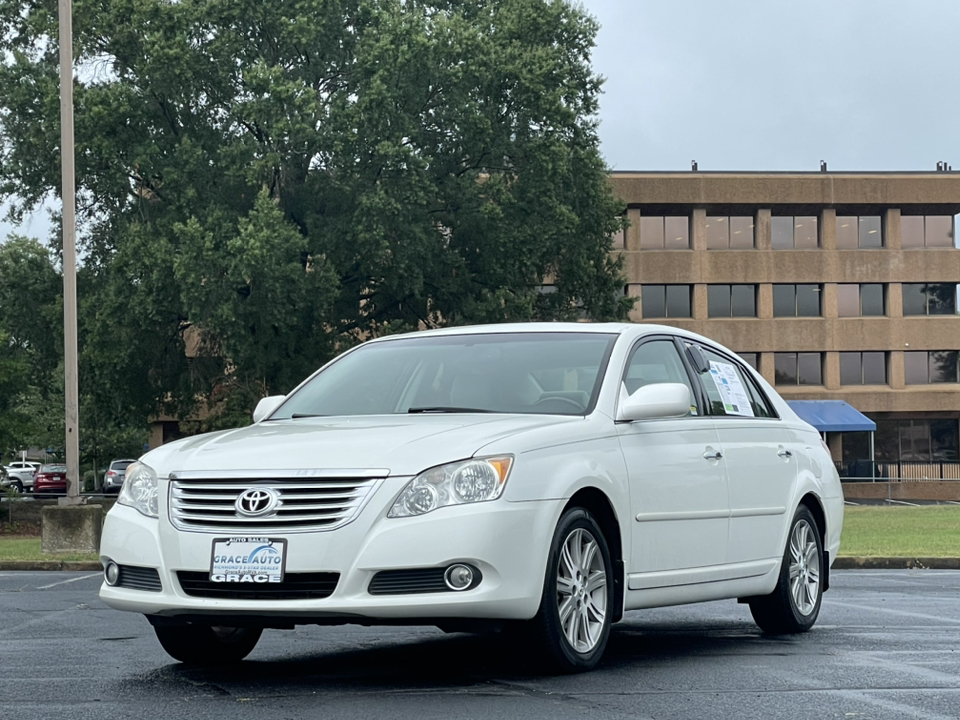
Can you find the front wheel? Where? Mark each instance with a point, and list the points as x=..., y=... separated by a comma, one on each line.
x=794, y=604
x=17, y=486
x=206, y=644
x=571, y=629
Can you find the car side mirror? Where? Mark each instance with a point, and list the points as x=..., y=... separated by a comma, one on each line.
x=266, y=406
x=657, y=401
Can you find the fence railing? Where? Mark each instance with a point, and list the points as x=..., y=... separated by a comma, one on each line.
x=902, y=471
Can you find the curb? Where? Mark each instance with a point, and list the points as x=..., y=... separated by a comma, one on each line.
x=52, y=565
x=896, y=563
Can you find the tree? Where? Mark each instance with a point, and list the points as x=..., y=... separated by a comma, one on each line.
x=272, y=182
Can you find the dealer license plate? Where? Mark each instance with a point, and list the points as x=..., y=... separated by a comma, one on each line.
x=248, y=560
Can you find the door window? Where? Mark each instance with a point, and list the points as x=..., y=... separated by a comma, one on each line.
x=729, y=389
x=657, y=361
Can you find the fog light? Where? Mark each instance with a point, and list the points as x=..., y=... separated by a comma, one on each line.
x=458, y=577
x=111, y=573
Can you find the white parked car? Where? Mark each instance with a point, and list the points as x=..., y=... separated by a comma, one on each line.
x=541, y=477
x=20, y=474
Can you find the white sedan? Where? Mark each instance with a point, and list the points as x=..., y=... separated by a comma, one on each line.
x=542, y=478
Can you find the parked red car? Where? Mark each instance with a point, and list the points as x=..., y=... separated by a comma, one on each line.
x=50, y=479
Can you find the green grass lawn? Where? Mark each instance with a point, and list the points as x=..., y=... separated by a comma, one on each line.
x=28, y=548
x=897, y=531
x=868, y=531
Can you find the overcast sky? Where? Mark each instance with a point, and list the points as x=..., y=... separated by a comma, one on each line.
x=772, y=85
x=778, y=85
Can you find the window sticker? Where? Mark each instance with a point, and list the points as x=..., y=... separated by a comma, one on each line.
x=732, y=393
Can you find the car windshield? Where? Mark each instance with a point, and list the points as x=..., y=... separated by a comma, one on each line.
x=53, y=469
x=542, y=373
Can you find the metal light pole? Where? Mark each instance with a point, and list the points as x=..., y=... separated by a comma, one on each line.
x=69, y=197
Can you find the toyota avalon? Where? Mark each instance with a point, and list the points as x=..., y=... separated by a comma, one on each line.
x=542, y=478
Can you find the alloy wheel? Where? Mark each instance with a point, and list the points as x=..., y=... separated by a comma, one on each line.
x=581, y=590
x=804, y=567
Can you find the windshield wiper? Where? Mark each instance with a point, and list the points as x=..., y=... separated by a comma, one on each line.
x=295, y=416
x=446, y=409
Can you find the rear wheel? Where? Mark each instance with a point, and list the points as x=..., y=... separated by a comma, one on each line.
x=571, y=629
x=206, y=644
x=794, y=604
x=17, y=486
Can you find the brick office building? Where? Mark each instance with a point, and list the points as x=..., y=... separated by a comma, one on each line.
x=833, y=285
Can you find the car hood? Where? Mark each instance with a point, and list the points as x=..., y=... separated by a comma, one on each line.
x=399, y=445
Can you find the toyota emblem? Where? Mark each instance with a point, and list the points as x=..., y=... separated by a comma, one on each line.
x=257, y=502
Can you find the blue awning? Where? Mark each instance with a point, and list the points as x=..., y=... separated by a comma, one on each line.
x=832, y=416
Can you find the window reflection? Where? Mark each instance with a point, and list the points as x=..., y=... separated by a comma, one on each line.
x=731, y=300
x=863, y=231
x=665, y=301
x=659, y=232
x=935, y=366
x=929, y=298
x=798, y=232
x=848, y=300
x=805, y=368
x=927, y=231
x=863, y=368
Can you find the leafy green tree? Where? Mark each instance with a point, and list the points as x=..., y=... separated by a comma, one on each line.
x=263, y=184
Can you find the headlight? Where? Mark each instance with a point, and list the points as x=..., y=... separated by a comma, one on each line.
x=139, y=490
x=458, y=483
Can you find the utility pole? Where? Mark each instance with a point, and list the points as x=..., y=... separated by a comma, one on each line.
x=69, y=216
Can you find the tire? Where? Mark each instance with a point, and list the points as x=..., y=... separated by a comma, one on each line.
x=207, y=645
x=572, y=626
x=18, y=486
x=794, y=604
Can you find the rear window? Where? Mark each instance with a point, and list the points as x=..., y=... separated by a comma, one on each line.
x=120, y=464
x=53, y=469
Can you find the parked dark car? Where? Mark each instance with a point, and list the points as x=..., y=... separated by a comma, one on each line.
x=113, y=477
x=50, y=479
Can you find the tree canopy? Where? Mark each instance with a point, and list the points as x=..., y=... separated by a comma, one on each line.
x=263, y=184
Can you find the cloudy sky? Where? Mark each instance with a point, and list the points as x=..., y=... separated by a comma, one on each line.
x=778, y=85
x=772, y=85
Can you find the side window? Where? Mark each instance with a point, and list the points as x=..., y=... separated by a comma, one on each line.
x=657, y=361
x=730, y=391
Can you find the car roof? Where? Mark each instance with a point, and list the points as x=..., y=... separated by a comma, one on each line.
x=621, y=328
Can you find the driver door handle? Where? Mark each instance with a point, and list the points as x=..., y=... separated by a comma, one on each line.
x=712, y=455
x=784, y=453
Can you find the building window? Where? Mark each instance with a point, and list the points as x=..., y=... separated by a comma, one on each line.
x=665, y=301
x=863, y=300
x=751, y=359
x=796, y=300
x=917, y=440
x=929, y=298
x=731, y=300
x=658, y=232
x=804, y=368
x=927, y=231
x=790, y=231
x=862, y=231
x=928, y=368
x=729, y=233
x=863, y=368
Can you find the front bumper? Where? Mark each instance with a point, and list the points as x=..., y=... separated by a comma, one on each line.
x=508, y=543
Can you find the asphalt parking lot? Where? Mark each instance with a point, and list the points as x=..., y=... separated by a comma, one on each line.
x=887, y=646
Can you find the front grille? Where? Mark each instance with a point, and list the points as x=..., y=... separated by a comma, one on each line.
x=206, y=501
x=403, y=582
x=295, y=586
x=139, y=578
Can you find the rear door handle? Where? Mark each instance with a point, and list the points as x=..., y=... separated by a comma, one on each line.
x=784, y=453
x=712, y=455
